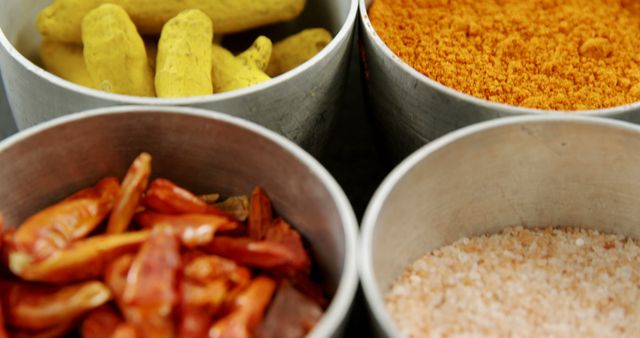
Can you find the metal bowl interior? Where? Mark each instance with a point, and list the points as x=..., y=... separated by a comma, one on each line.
x=412, y=109
x=203, y=151
x=535, y=171
x=299, y=104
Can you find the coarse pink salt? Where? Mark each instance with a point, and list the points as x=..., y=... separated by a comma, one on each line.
x=575, y=283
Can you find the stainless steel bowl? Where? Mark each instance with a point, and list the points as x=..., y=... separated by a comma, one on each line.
x=412, y=109
x=202, y=150
x=559, y=170
x=7, y=126
x=299, y=104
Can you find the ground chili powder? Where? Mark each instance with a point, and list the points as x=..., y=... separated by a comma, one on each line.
x=547, y=54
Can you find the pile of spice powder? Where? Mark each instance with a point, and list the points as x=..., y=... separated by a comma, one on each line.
x=546, y=54
x=523, y=283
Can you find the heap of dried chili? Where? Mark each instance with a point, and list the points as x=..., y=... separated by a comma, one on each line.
x=125, y=260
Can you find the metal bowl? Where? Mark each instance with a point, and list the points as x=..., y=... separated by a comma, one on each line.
x=411, y=109
x=300, y=104
x=7, y=126
x=203, y=151
x=559, y=170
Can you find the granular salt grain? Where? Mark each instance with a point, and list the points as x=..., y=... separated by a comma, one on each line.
x=576, y=283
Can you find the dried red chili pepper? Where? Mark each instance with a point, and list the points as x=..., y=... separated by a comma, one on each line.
x=282, y=233
x=253, y=253
x=193, y=229
x=198, y=304
x=161, y=291
x=81, y=260
x=151, y=288
x=57, y=226
x=204, y=268
x=101, y=322
x=56, y=331
x=166, y=197
x=125, y=330
x=5, y=241
x=133, y=186
x=247, y=311
x=3, y=330
x=291, y=314
x=115, y=275
x=37, y=307
x=260, y=214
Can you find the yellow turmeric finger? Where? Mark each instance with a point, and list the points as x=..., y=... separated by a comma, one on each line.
x=114, y=52
x=258, y=54
x=297, y=49
x=227, y=73
x=66, y=61
x=62, y=19
x=184, y=56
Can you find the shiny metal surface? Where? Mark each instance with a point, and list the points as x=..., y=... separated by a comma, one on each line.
x=7, y=126
x=300, y=104
x=551, y=170
x=411, y=109
x=202, y=150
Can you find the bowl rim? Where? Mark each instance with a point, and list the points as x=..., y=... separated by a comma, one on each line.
x=379, y=44
x=374, y=298
x=343, y=34
x=338, y=310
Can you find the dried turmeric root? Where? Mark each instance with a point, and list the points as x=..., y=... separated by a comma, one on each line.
x=258, y=55
x=297, y=49
x=66, y=61
x=62, y=20
x=184, y=56
x=228, y=73
x=114, y=52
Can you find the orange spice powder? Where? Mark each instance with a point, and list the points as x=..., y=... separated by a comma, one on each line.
x=546, y=54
